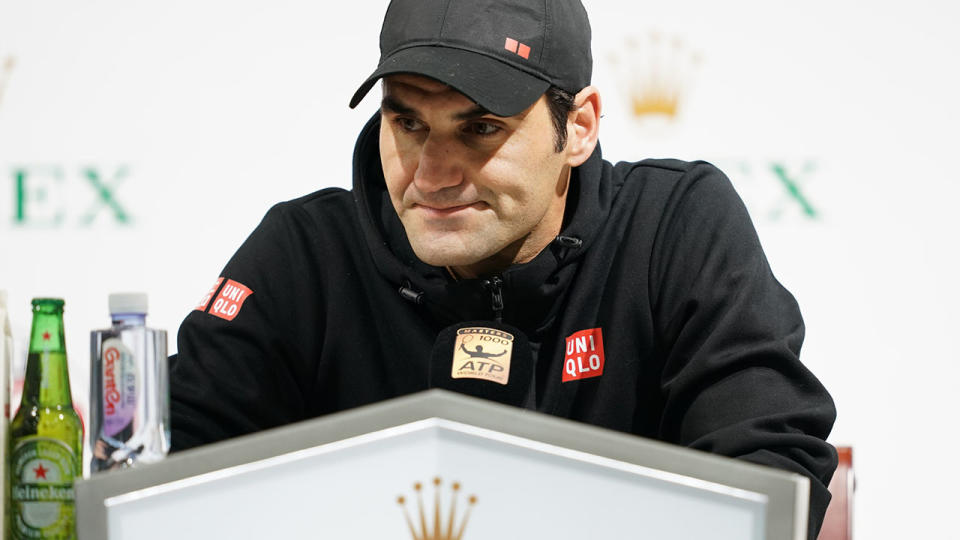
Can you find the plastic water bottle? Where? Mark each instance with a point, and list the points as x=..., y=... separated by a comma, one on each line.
x=129, y=389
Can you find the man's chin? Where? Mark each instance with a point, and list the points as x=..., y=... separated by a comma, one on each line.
x=444, y=252
x=436, y=257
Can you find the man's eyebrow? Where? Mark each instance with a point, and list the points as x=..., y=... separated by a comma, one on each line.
x=392, y=104
x=476, y=112
x=389, y=103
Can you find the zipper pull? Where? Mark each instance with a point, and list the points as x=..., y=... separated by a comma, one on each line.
x=568, y=242
x=495, y=286
x=411, y=295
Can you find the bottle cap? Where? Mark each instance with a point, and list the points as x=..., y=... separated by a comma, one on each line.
x=128, y=303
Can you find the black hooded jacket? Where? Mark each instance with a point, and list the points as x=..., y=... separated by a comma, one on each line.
x=701, y=343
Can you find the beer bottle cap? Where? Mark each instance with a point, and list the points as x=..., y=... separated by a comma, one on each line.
x=128, y=303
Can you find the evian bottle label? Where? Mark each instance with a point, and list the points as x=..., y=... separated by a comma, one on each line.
x=119, y=387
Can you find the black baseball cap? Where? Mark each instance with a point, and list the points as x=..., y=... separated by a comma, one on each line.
x=502, y=54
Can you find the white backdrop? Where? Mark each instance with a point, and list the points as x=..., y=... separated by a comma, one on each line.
x=140, y=142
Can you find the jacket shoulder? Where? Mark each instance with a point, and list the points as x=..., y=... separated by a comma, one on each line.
x=318, y=202
x=299, y=229
x=665, y=169
x=325, y=208
x=675, y=182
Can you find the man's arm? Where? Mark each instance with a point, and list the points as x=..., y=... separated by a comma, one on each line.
x=732, y=380
x=239, y=368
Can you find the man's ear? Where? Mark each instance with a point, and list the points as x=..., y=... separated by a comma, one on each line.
x=583, y=126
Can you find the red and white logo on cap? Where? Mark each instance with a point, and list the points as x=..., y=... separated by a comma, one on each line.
x=230, y=300
x=584, y=355
x=515, y=46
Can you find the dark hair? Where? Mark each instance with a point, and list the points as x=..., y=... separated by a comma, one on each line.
x=561, y=104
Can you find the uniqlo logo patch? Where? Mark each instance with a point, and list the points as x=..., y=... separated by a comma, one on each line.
x=230, y=300
x=584, y=356
x=202, y=306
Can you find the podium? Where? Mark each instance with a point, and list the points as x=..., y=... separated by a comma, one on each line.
x=438, y=465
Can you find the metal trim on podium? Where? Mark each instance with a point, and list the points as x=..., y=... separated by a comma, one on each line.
x=784, y=495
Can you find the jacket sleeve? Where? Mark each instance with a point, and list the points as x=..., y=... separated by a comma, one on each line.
x=239, y=366
x=732, y=381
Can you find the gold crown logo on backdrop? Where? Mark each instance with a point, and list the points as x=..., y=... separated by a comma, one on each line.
x=655, y=72
x=6, y=68
x=446, y=526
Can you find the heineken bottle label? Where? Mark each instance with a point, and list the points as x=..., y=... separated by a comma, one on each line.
x=41, y=488
x=119, y=387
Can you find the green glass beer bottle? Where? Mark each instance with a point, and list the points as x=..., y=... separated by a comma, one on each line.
x=46, y=435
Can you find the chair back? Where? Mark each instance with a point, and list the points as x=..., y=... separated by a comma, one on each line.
x=838, y=523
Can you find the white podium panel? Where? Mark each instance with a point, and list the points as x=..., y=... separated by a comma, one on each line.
x=429, y=475
x=523, y=489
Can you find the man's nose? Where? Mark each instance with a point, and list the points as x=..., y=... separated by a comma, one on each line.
x=439, y=166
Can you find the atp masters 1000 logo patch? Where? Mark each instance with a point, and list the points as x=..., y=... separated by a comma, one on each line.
x=482, y=353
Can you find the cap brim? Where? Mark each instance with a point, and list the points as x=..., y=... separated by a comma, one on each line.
x=496, y=86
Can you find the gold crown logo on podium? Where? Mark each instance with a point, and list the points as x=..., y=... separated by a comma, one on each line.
x=446, y=526
x=6, y=68
x=655, y=72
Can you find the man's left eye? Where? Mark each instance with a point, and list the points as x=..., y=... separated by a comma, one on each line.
x=483, y=128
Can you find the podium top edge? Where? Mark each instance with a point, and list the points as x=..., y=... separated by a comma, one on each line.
x=441, y=404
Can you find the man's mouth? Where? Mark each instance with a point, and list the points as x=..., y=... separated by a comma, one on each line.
x=443, y=210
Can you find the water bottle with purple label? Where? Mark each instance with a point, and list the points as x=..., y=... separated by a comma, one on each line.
x=129, y=393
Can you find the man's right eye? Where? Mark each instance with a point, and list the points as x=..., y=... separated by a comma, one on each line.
x=408, y=124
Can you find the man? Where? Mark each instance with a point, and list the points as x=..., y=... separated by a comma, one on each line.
x=480, y=194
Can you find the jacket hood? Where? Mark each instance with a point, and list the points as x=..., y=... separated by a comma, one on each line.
x=531, y=292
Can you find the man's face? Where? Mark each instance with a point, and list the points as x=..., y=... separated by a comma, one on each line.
x=474, y=191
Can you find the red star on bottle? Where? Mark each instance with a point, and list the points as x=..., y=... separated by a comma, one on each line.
x=46, y=336
x=40, y=472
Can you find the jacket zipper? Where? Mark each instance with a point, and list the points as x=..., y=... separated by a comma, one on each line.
x=495, y=286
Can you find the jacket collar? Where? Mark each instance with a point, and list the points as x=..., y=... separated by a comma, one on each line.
x=532, y=292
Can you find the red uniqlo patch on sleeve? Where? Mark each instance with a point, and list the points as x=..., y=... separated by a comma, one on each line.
x=202, y=306
x=584, y=356
x=230, y=300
